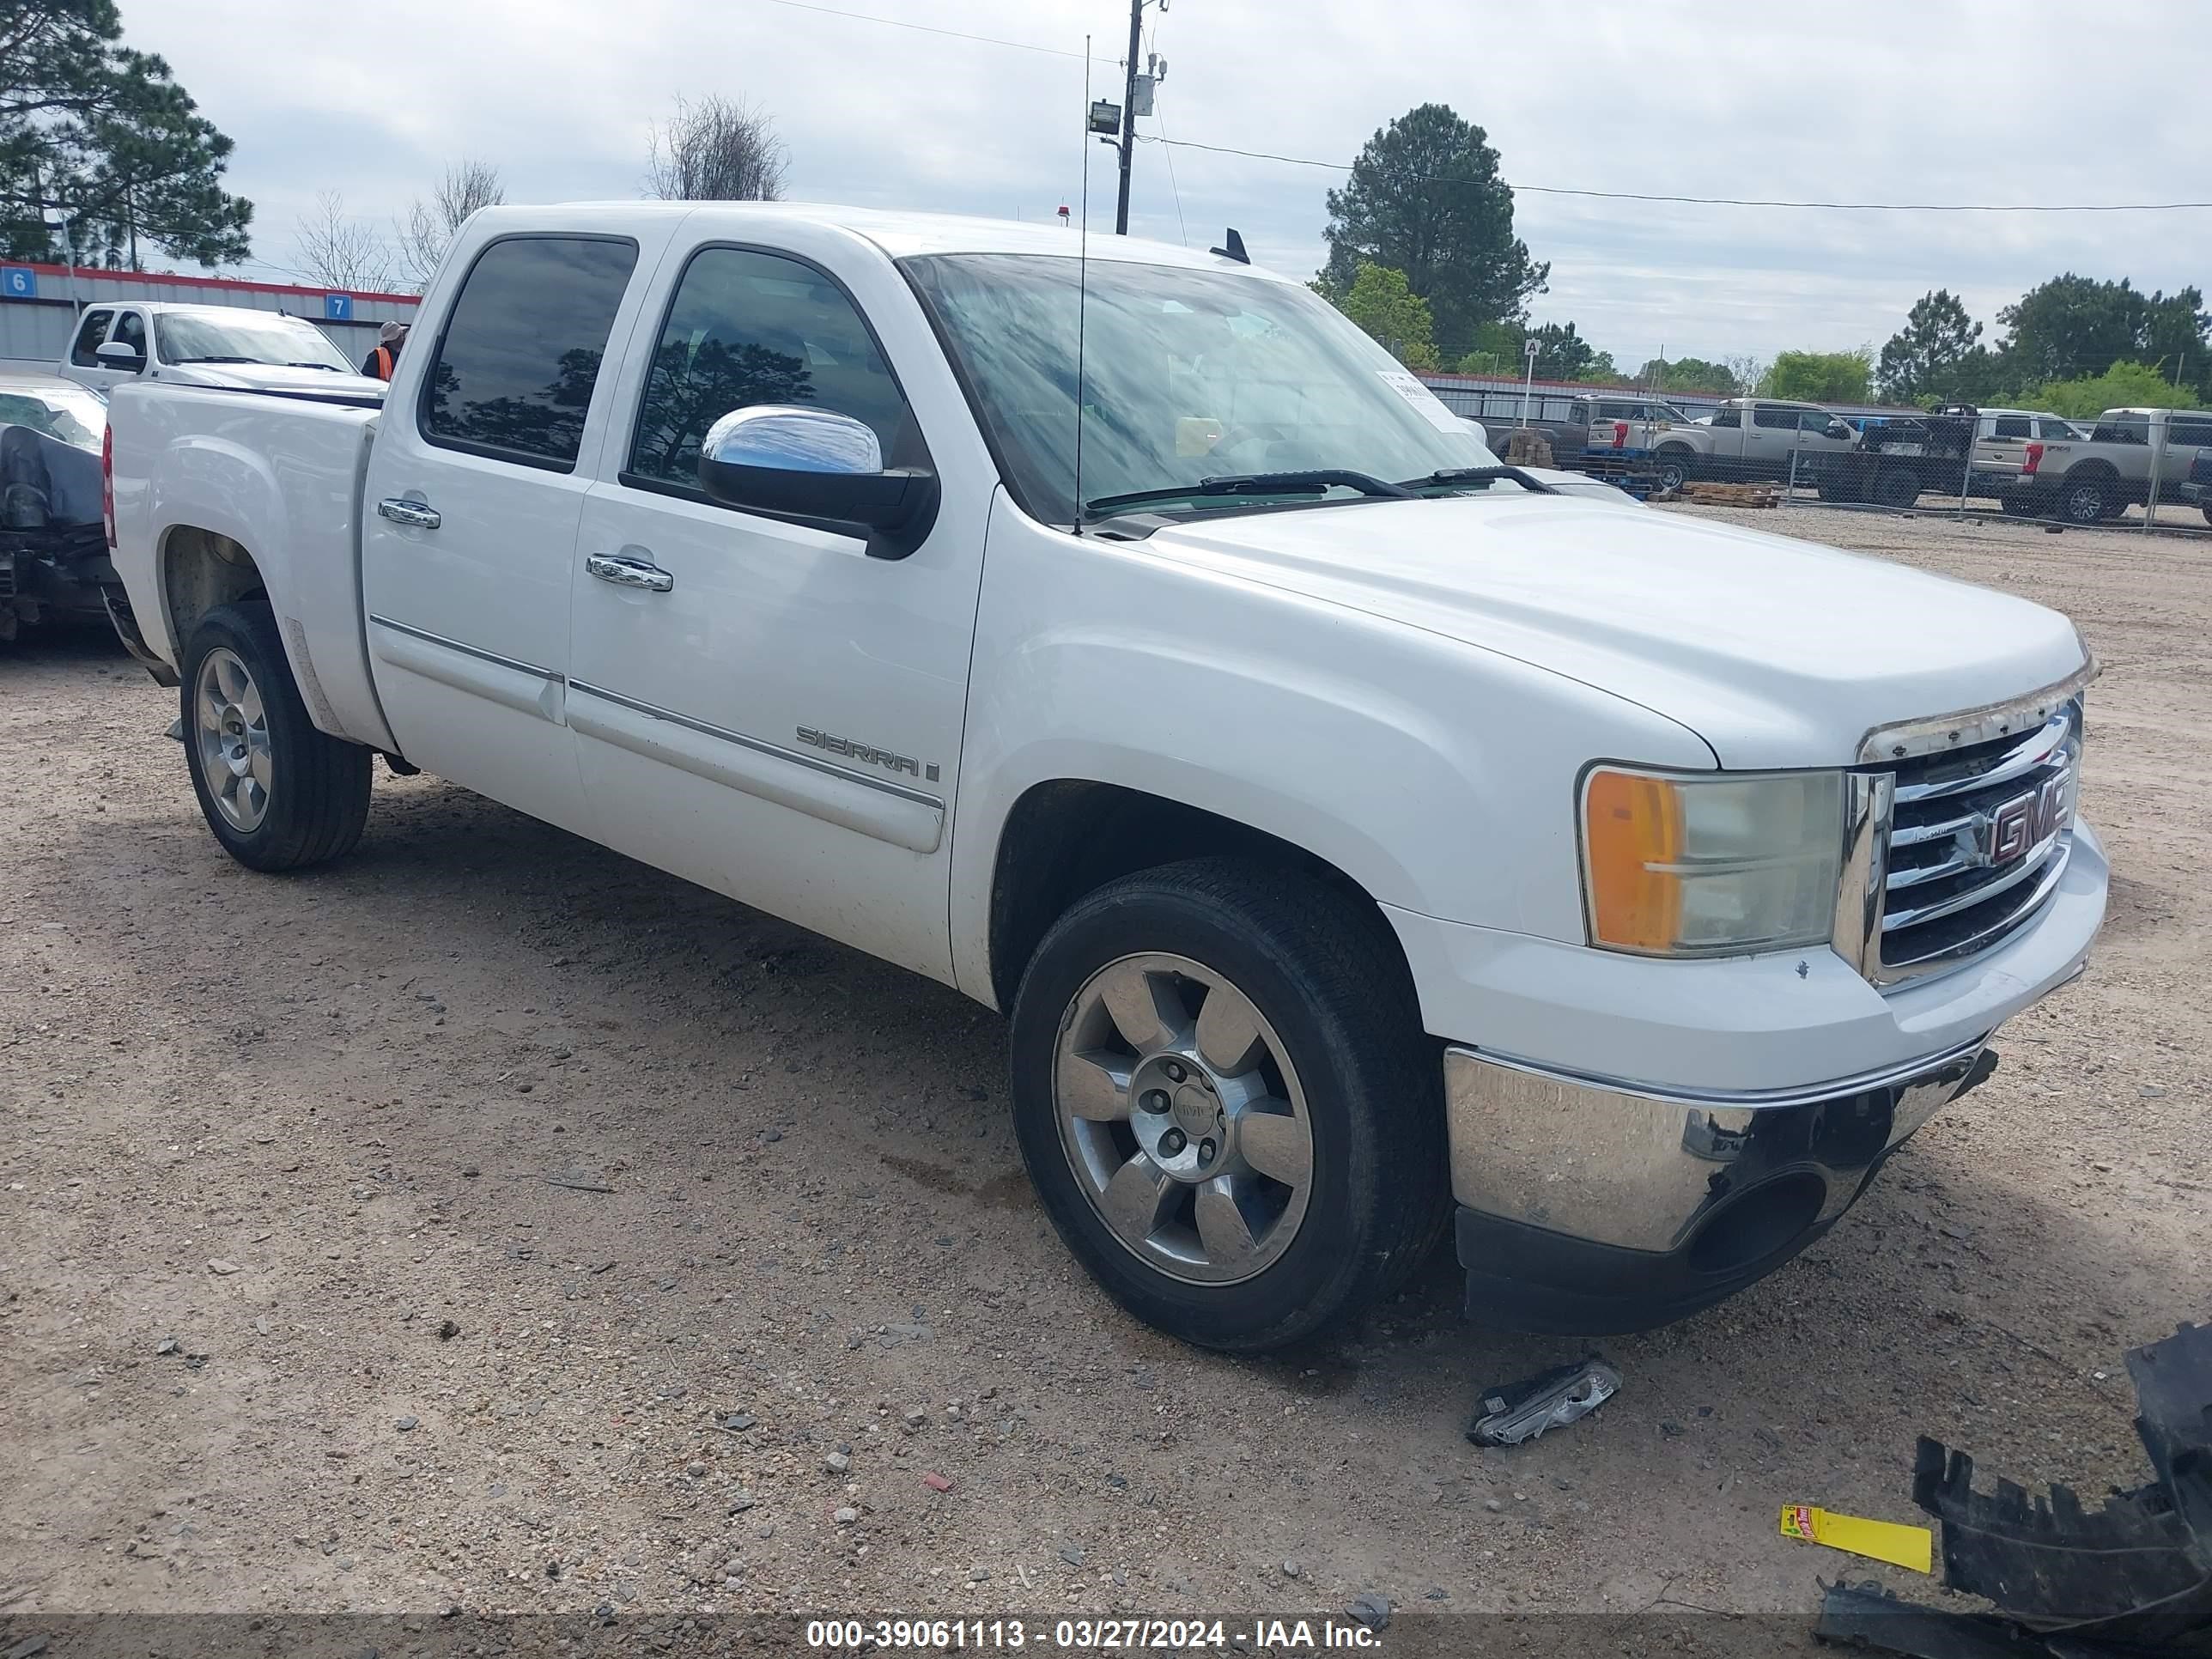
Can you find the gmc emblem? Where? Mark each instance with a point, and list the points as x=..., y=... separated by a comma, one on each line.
x=2027, y=821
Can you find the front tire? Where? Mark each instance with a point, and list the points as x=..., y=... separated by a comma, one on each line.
x=1227, y=1104
x=277, y=793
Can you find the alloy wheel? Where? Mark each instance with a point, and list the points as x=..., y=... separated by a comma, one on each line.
x=1182, y=1118
x=231, y=736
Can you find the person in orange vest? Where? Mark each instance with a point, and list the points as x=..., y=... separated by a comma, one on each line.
x=381, y=361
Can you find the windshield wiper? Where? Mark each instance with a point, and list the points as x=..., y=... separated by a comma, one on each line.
x=1313, y=481
x=1453, y=476
x=327, y=368
x=218, y=359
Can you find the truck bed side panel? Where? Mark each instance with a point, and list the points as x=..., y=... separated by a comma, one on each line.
x=282, y=478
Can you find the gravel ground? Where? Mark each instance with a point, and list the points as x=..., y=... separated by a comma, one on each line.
x=488, y=1221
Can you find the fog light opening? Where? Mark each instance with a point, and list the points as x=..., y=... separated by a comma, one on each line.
x=1765, y=1220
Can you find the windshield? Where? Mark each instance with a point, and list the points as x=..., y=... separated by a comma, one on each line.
x=1187, y=375
x=244, y=337
x=67, y=412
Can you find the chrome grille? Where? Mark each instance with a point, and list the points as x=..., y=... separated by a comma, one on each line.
x=1977, y=839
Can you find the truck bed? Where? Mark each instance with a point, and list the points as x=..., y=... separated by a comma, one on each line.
x=280, y=477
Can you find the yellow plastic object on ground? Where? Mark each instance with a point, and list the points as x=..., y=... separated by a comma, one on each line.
x=1879, y=1541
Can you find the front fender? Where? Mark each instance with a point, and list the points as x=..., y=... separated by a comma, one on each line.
x=1440, y=776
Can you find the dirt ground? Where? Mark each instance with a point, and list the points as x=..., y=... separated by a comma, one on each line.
x=488, y=1221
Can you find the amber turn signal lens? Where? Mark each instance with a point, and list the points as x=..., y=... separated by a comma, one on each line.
x=1630, y=825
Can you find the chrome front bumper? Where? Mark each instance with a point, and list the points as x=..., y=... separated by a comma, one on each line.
x=1593, y=1206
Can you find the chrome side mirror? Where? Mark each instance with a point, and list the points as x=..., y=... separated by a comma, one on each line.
x=815, y=465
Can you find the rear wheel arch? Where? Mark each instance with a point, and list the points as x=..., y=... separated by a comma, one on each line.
x=200, y=570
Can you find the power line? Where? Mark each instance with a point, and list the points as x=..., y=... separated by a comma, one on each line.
x=1720, y=201
x=928, y=28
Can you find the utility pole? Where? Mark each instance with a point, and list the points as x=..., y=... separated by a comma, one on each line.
x=1129, y=116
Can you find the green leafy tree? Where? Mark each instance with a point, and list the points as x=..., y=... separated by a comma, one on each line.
x=1925, y=359
x=1688, y=374
x=1820, y=377
x=2070, y=325
x=1497, y=349
x=2124, y=386
x=97, y=137
x=1425, y=198
x=1383, y=302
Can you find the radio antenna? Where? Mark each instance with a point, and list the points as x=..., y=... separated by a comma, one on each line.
x=1082, y=283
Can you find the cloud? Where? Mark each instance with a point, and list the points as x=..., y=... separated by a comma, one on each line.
x=2006, y=101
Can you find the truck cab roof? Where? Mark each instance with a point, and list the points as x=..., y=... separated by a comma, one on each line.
x=899, y=234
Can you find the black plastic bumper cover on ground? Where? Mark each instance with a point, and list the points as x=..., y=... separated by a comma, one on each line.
x=2136, y=1572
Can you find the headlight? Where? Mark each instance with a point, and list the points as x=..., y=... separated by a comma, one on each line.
x=1711, y=866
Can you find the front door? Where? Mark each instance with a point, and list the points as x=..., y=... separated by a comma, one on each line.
x=470, y=517
x=758, y=705
x=85, y=366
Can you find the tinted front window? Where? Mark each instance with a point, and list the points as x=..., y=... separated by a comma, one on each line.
x=93, y=331
x=2180, y=431
x=523, y=346
x=1727, y=418
x=1186, y=374
x=754, y=328
x=2126, y=429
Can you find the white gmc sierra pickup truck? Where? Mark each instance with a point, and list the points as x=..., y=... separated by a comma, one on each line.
x=1364, y=838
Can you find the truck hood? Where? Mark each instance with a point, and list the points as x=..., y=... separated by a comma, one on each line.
x=272, y=377
x=1778, y=652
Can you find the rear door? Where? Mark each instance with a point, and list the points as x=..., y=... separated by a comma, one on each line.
x=476, y=483
x=759, y=705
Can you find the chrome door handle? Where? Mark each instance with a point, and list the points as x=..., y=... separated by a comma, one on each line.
x=400, y=510
x=625, y=571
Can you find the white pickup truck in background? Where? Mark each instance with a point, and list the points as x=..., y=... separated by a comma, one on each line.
x=1364, y=839
x=1748, y=437
x=116, y=344
x=2093, y=479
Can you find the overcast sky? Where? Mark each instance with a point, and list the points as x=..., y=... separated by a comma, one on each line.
x=2035, y=101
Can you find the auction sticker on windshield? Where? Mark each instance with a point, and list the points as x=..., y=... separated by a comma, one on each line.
x=1431, y=406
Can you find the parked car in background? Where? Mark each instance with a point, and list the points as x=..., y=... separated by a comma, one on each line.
x=1368, y=842
x=207, y=345
x=2198, y=486
x=53, y=556
x=2089, y=480
x=1748, y=438
x=1609, y=423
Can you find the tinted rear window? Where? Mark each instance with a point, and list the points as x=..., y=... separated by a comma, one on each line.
x=523, y=347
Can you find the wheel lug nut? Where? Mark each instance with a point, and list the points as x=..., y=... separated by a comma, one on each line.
x=1207, y=1149
x=1173, y=1142
x=1154, y=1100
x=1176, y=1073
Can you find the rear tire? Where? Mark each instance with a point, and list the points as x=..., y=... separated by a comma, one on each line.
x=2090, y=498
x=1221, y=998
x=277, y=793
x=1896, y=488
x=1674, y=468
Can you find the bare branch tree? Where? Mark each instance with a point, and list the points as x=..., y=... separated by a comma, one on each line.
x=429, y=226
x=339, y=251
x=716, y=150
